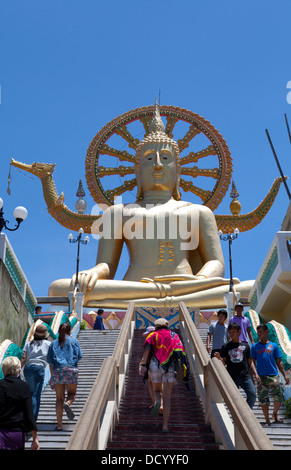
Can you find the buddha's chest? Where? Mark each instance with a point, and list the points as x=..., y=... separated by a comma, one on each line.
x=159, y=224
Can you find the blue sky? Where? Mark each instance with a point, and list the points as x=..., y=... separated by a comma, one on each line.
x=69, y=67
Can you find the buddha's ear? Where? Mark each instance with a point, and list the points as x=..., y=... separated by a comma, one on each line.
x=139, y=194
x=176, y=193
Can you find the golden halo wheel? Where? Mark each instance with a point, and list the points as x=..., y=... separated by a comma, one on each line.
x=204, y=155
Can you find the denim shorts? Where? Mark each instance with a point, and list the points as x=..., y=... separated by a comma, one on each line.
x=159, y=375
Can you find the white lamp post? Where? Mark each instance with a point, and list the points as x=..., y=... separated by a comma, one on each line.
x=20, y=214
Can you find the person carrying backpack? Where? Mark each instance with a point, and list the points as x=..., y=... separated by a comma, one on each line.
x=164, y=345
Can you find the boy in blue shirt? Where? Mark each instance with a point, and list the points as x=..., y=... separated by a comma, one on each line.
x=218, y=332
x=267, y=357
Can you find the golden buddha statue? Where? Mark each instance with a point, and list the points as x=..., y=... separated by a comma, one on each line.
x=174, y=248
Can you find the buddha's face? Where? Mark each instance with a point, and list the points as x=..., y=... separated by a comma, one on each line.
x=158, y=167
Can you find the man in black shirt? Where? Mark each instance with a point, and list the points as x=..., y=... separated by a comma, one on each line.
x=236, y=356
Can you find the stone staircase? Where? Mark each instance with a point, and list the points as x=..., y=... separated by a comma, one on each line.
x=138, y=430
x=96, y=345
x=279, y=434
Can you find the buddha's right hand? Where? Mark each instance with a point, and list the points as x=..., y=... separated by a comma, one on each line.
x=88, y=278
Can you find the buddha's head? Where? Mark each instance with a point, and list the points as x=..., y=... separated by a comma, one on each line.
x=157, y=163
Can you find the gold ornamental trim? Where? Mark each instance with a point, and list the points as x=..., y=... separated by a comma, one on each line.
x=197, y=125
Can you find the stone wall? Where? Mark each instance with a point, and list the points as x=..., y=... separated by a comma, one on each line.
x=13, y=311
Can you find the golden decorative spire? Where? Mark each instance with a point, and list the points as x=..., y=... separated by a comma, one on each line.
x=234, y=193
x=235, y=205
x=80, y=192
x=156, y=124
x=80, y=205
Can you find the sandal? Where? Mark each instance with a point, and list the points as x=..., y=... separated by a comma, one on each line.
x=68, y=411
x=277, y=420
x=156, y=409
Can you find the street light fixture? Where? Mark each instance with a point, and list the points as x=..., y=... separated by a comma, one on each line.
x=84, y=242
x=20, y=214
x=229, y=238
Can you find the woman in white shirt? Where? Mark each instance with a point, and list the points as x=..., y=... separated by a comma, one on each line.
x=34, y=358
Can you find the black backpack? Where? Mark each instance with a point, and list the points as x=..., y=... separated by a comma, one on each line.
x=180, y=368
